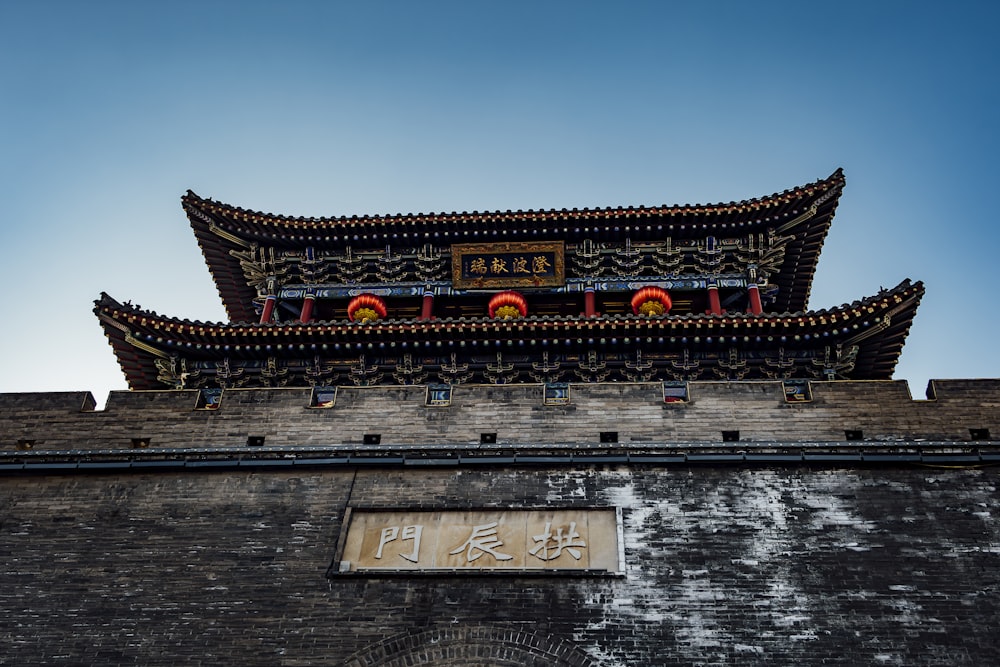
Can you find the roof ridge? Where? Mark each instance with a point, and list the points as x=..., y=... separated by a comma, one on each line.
x=190, y=198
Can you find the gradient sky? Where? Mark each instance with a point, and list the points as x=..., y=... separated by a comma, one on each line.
x=112, y=110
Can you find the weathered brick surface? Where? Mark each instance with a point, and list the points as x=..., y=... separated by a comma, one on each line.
x=881, y=410
x=725, y=565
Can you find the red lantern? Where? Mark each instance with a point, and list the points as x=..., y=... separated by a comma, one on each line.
x=366, y=308
x=508, y=305
x=651, y=301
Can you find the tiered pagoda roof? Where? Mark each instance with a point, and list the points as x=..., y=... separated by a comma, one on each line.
x=782, y=233
x=719, y=264
x=861, y=340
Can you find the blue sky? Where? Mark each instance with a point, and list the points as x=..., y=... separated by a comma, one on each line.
x=112, y=110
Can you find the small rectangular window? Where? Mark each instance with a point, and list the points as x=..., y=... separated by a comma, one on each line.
x=209, y=399
x=675, y=392
x=797, y=391
x=556, y=393
x=438, y=395
x=323, y=397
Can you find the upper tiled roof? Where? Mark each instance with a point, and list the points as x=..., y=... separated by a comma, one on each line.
x=803, y=213
x=764, y=211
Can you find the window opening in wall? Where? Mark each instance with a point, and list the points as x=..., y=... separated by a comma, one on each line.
x=25, y=444
x=979, y=433
x=675, y=392
x=730, y=436
x=323, y=397
x=438, y=395
x=373, y=438
x=488, y=438
x=556, y=393
x=255, y=441
x=209, y=399
x=609, y=436
x=854, y=434
x=140, y=443
x=797, y=391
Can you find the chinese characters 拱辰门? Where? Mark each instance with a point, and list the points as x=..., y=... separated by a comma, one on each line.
x=550, y=540
x=483, y=539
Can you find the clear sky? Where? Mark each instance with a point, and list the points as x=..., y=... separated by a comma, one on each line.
x=110, y=111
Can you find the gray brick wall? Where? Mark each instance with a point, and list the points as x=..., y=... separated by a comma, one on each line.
x=725, y=563
x=724, y=566
x=882, y=411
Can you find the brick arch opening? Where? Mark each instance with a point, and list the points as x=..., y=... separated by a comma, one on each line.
x=472, y=646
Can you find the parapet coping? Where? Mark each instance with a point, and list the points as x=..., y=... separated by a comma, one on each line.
x=118, y=399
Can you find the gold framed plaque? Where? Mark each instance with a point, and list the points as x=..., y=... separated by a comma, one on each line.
x=507, y=265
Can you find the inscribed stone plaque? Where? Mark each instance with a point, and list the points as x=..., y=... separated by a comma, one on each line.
x=502, y=540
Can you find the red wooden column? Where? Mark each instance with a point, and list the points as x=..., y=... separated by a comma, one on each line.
x=589, y=307
x=427, y=308
x=269, y=304
x=307, y=306
x=754, y=294
x=714, y=306
x=271, y=301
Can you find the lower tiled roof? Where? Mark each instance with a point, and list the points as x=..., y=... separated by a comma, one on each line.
x=861, y=340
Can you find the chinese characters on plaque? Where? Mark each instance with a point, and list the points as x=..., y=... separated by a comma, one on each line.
x=507, y=265
x=583, y=539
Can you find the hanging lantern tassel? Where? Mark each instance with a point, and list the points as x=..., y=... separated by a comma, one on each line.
x=366, y=308
x=508, y=306
x=651, y=301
